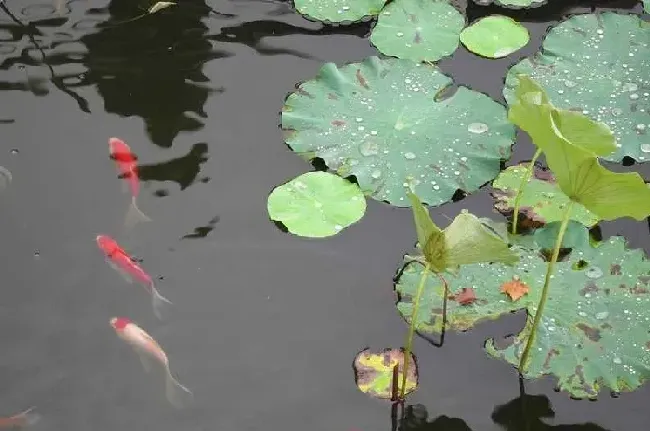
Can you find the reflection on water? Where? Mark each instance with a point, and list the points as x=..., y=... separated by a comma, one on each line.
x=182, y=170
x=416, y=418
x=152, y=67
x=527, y=413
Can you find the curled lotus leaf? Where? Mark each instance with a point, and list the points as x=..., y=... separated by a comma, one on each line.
x=392, y=123
x=594, y=331
x=597, y=64
x=374, y=372
x=542, y=201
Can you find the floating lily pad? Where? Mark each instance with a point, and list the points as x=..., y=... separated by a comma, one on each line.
x=316, y=204
x=598, y=64
x=420, y=30
x=594, y=331
x=519, y=4
x=542, y=200
x=495, y=36
x=575, y=236
x=385, y=122
x=374, y=372
x=339, y=10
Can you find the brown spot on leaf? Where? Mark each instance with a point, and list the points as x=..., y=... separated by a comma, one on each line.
x=287, y=134
x=303, y=92
x=647, y=345
x=615, y=269
x=622, y=286
x=413, y=17
x=590, y=287
x=514, y=288
x=607, y=291
x=605, y=326
x=638, y=290
x=592, y=333
x=549, y=356
x=332, y=96
x=543, y=174
x=465, y=296
x=362, y=80
x=338, y=123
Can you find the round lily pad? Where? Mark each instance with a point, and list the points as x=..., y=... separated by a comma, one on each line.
x=387, y=123
x=374, y=373
x=495, y=36
x=594, y=331
x=339, y=10
x=575, y=236
x=598, y=64
x=420, y=30
x=316, y=204
x=542, y=200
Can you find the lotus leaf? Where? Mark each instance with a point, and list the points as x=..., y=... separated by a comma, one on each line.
x=495, y=36
x=339, y=10
x=593, y=333
x=570, y=143
x=597, y=64
x=542, y=200
x=316, y=204
x=518, y=4
x=575, y=236
x=646, y=6
x=420, y=30
x=374, y=372
x=385, y=122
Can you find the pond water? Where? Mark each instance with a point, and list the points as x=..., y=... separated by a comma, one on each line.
x=264, y=324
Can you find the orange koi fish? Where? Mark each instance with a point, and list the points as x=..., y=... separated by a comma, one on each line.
x=124, y=264
x=21, y=420
x=149, y=350
x=128, y=170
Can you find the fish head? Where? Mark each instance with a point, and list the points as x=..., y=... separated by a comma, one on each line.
x=106, y=244
x=119, y=323
x=120, y=151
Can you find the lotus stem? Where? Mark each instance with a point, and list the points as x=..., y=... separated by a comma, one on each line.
x=522, y=186
x=547, y=282
x=409, y=338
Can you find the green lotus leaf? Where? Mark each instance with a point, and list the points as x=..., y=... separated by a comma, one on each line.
x=646, y=6
x=495, y=36
x=594, y=331
x=598, y=64
x=575, y=236
x=519, y=4
x=339, y=10
x=316, y=204
x=374, y=372
x=578, y=172
x=386, y=123
x=420, y=30
x=542, y=200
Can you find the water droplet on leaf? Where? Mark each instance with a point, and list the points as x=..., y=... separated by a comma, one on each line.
x=477, y=128
x=594, y=272
x=368, y=148
x=409, y=155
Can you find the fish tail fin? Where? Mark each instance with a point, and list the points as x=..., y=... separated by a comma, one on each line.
x=134, y=215
x=29, y=416
x=178, y=395
x=159, y=302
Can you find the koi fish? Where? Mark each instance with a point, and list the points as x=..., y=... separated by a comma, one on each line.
x=120, y=261
x=21, y=420
x=128, y=170
x=149, y=350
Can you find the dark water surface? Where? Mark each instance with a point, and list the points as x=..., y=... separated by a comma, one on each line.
x=265, y=324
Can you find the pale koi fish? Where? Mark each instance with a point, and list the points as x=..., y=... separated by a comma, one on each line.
x=21, y=420
x=127, y=167
x=124, y=264
x=149, y=350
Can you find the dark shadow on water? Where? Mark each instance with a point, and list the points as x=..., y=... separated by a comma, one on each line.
x=151, y=67
x=182, y=170
x=203, y=231
x=526, y=413
x=416, y=418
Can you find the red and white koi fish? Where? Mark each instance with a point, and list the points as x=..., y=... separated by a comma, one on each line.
x=149, y=350
x=127, y=166
x=21, y=420
x=120, y=261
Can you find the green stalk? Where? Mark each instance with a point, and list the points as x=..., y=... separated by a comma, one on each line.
x=522, y=186
x=547, y=282
x=409, y=338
